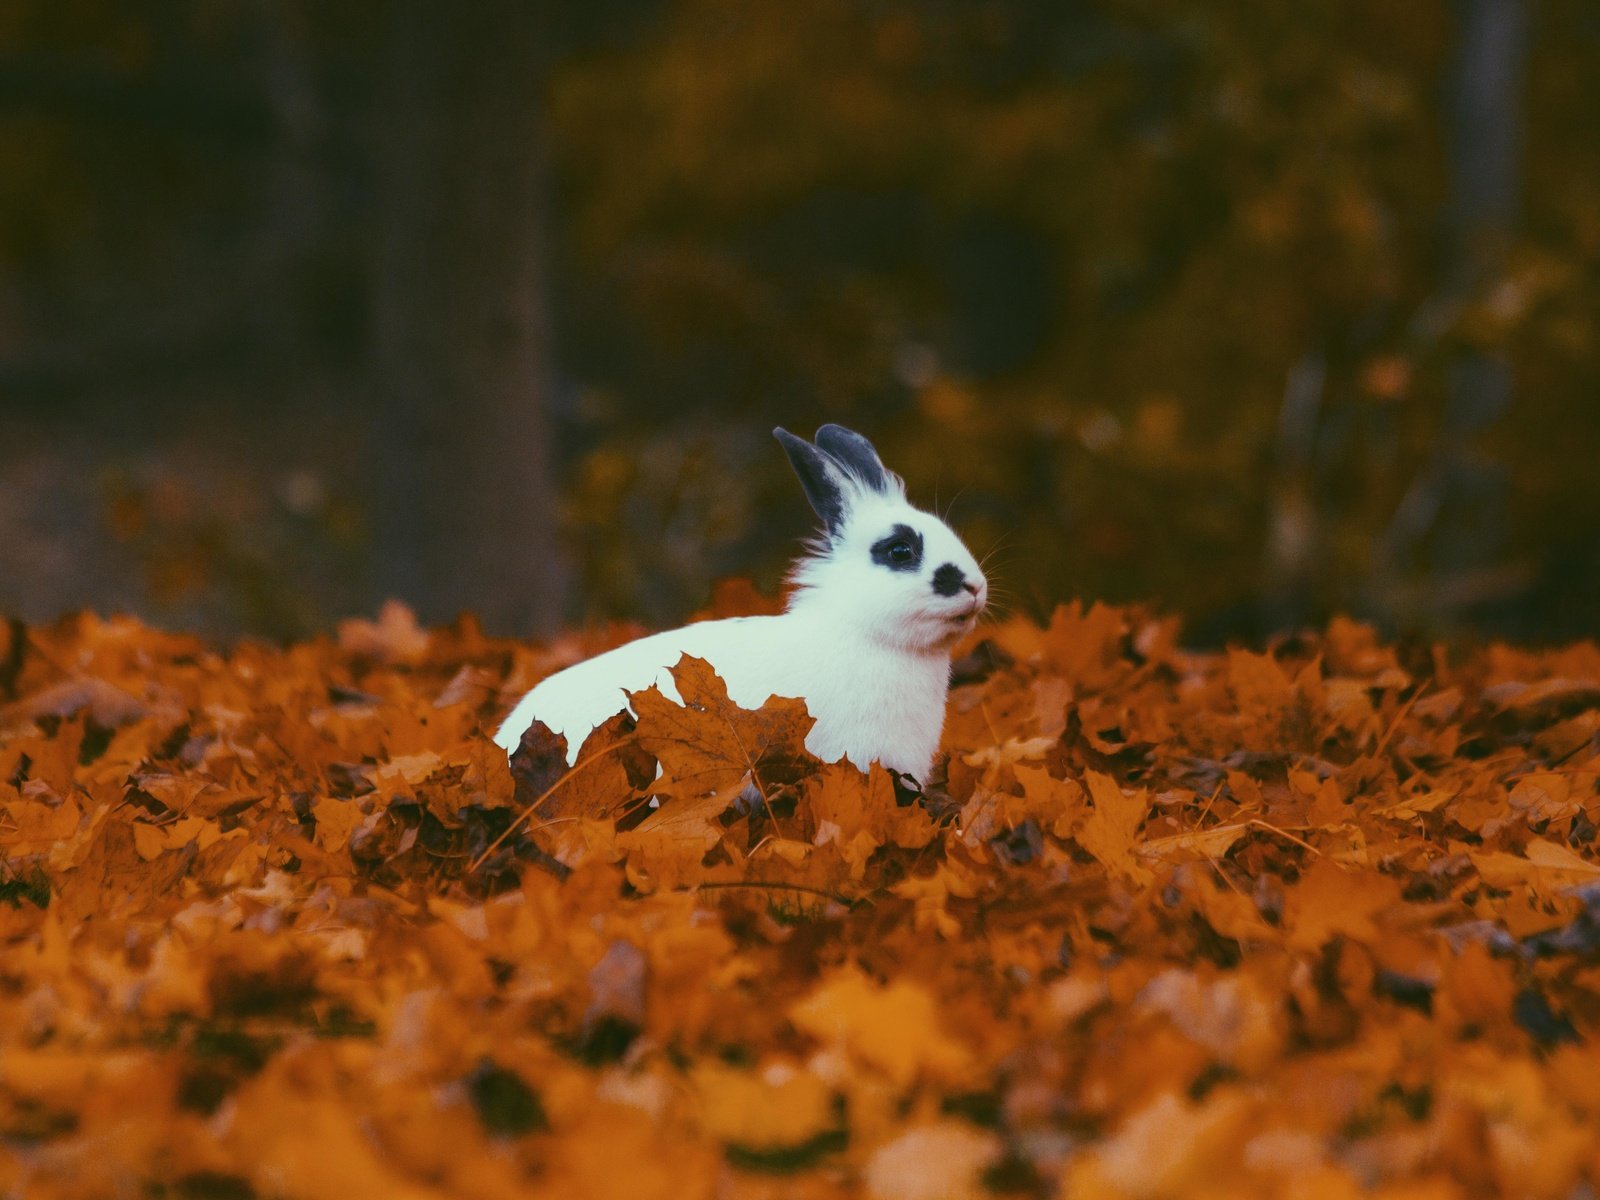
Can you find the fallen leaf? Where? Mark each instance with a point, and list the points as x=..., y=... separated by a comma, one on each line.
x=707, y=743
x=942, y=1161
x=1108, y=832
x=893, y=1028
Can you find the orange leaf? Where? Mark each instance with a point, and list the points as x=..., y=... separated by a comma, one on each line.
x=708, y=743
x=1108, y=831
x=1330, y=900
x=894, y=1028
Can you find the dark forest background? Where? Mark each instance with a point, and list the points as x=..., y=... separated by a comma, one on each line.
x=1256, y=310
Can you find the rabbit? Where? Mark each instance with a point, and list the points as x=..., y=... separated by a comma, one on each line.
x=876, y=606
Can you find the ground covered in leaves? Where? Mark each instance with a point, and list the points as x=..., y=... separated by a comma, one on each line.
x=1311, y=922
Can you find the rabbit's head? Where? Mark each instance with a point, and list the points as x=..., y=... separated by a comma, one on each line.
x=881, y=568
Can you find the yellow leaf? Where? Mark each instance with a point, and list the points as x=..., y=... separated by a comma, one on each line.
x=1545, y=867
x=335, y=820
x=893, y=1028
x=942, y=1161
x=1201, y=843
x=1167, y=1148
x=1108, y=831
x=773, y=1107
x=1330, y=900
x=708, y=743
x=148, y=840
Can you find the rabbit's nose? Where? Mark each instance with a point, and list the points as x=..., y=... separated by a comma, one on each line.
x=970, y=588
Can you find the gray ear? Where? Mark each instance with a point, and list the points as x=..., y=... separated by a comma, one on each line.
x=856, y=453
x=819, y=476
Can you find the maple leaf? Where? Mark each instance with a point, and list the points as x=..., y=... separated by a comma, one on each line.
x=1167, y=1148
x=1330, y=900
x=307, y=1142
x=616, y=770
x=1259, y=684
x=1057, y=804
x=246, y=904
x=1545, y=796
x=1108, y=831
x=109, y=705
x=1226, y=909
x=617, y=986
x=666, y=848
x=394, y=637
x=1525, y=704
x=1543, y=865
x=841, y=799
x=761, y=1110
x=1199, y=843
x=941, y=1161
x=894, y=1028
x=336, y=820
x=538, y=762
x=930, y=894
x=707, y=743
x=1084, y=647
x=1477, y=991
x=1234, y=1016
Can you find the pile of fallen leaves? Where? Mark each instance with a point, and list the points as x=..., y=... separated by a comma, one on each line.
x=1322, y=921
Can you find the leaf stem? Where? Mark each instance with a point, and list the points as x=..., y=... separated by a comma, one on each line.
x=774, y=885
x=548, y=792
x=1283, y=833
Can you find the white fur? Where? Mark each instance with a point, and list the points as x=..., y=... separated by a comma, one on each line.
x=867, y=648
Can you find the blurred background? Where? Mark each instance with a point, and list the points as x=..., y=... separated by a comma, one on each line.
x=1258, y=311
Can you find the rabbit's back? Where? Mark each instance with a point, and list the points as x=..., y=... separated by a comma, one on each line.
x=574, y=701
x=870, y=703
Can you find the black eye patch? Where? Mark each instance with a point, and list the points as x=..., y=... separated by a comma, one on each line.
x=899, y=550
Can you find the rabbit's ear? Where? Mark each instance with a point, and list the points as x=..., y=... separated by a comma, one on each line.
x=857, y=454
x=820, y=476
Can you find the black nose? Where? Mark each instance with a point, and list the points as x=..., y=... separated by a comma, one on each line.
x=948, y=580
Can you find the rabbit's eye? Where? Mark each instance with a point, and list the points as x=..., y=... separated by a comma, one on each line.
x=899, y=550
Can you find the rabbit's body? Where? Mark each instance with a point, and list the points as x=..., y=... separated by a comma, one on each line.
x=870, y=702
x=865, y=640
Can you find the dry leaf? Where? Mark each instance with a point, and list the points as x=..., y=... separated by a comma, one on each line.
x=283, y=921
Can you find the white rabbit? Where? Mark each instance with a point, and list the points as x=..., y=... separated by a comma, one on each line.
x=865, y=641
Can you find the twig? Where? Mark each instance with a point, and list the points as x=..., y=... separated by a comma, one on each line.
x=1283, y=833
x=776, y=886
x=1405, y=708
x=548, y=792
x=983, y=707
x=1223, y=875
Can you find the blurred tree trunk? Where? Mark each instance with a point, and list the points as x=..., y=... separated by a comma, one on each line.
x=1458, y=502
x=1295, y=528
x=465, y=511
x=293, y=213
x=1474, y=533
